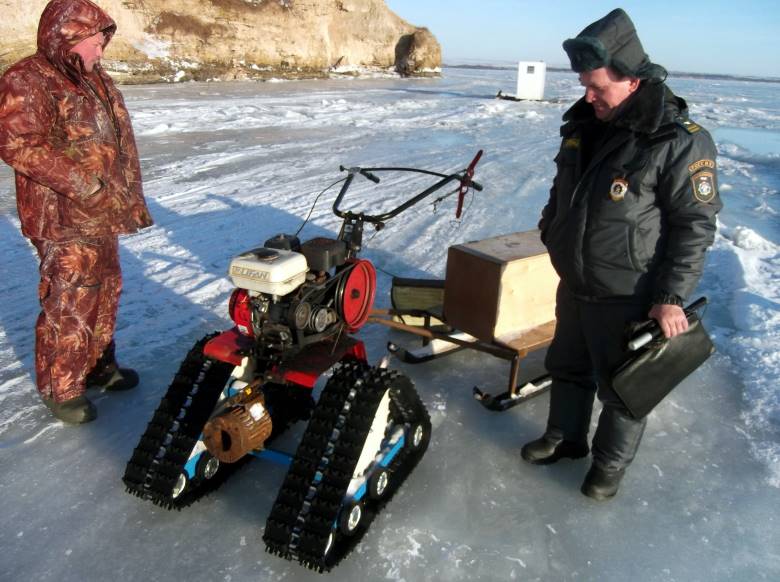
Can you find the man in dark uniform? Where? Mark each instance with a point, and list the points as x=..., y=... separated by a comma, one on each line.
x=630, y=216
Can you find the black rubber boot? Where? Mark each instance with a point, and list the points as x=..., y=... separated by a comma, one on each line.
x=115, y=380
x=108, y=375
x=551, y=448
x=615, y=444
x=77, y=410
x=617, y=439
x=601, y=484
x=569, y=416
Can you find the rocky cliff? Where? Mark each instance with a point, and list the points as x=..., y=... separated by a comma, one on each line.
x=174, y=40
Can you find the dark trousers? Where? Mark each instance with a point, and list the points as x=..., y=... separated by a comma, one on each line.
x=79, y=293
x=590, y=341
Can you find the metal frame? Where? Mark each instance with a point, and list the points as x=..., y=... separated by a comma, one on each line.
x=515, y=393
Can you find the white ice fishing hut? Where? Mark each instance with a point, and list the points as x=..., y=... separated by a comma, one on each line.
x=530, y=80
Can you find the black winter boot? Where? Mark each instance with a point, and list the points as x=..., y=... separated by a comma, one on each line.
x=115, y=380
x=569, y=416
x=615, y=444
x=108, y=375
x=77, y=410
x=551, y=448
x=617, y=439
x=601, y=484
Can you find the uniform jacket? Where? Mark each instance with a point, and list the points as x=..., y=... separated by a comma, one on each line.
x=60, y=128
x=637, y=219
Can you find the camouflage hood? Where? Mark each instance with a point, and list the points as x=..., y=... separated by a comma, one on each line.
x=64, y=24
x=61, y=129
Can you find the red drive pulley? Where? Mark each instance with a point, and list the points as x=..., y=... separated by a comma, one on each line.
x=355, y=294
x=240, y=310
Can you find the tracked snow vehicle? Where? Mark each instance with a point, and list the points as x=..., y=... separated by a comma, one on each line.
x=295, y=308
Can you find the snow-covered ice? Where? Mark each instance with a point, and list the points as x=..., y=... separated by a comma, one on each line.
x=228, y=165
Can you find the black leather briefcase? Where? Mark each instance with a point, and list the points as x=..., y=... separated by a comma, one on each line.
x=647, y=377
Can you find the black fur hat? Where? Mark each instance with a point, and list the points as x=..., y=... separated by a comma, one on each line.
x=612, y=42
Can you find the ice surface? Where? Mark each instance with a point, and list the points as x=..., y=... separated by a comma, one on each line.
x=228, y=165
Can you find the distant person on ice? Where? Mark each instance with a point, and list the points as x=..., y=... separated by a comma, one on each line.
x=630, y=216
x=66, y=132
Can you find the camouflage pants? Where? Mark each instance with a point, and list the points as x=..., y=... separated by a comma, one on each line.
x=79, y=294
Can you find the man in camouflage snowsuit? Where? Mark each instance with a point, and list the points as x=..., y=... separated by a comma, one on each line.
x=630, y=216
x=66, y=132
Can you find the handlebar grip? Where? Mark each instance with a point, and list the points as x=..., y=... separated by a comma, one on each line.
x=476, y=185
x=370, y=176
x=366, y=173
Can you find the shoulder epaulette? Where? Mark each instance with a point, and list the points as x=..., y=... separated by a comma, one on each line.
x=687, y=124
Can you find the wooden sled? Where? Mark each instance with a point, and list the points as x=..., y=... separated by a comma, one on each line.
x=498, y=297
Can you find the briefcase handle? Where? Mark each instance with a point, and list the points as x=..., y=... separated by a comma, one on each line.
x=651, y=331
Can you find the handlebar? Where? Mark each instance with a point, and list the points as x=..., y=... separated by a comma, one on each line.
x=462, y=176
x=651, y=331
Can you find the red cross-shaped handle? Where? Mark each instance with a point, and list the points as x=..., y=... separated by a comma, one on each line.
x=465, y=182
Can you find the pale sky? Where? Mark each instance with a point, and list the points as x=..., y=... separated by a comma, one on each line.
x=719, y=36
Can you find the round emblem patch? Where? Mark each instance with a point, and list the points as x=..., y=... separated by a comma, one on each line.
x=703, y=186
x=618, y=189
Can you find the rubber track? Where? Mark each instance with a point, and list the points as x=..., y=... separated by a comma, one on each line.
x=175, y=428
x=313, y=491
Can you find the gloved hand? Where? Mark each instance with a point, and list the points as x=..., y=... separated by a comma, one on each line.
x=101, y=197
x=95, y=194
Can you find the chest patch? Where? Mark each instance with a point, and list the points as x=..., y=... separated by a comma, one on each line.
x=703, y=186
x=618, y=189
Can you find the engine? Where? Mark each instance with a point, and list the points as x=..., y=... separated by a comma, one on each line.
x=290, y=294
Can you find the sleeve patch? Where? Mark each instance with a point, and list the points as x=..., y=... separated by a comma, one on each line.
x=571, y=143
x=703, y=186
x=696, y=166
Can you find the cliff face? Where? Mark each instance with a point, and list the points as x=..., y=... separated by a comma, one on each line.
x=228, y=39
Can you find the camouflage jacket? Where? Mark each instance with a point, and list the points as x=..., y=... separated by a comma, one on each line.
x=61, y=129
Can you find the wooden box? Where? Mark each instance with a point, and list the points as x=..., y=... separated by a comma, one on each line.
x=499, y=288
